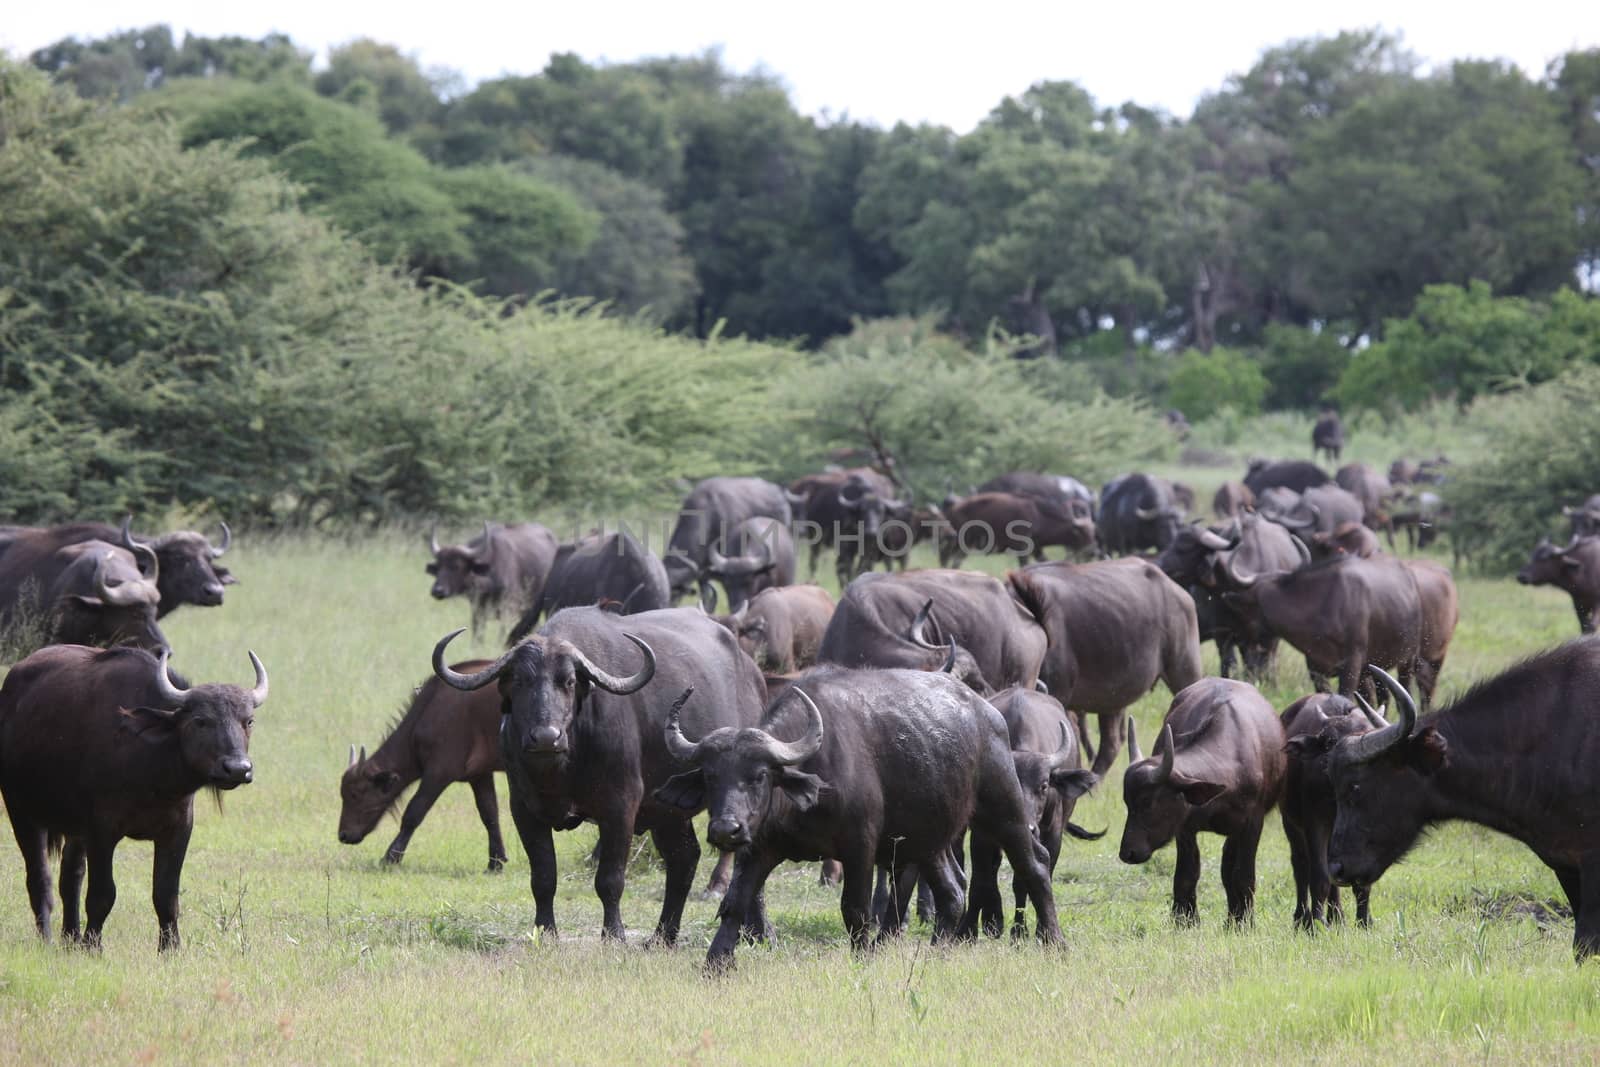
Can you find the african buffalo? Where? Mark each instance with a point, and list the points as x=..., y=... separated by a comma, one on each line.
x=847, y=510
x=761, y=556
x=185, y=570
x=781, y=629
x=891, y=767
x=1219, y=767
x=1327, y=436
x=1294, y=474
x=1515, y=754
x=1575, y=568
x=909, y=620
x=582, y=743
x=501, y=572
x=1585, y=518
x=1232, y=499
x=1023, y=526
x=1422, y=515
x=710, y=513
x=1045, y=750
x=1320, y=509
x=1051, y=488
x=1342, y=614
x=1369, y=486
x=1115, y=628
x=1347, y=539
x=1137, y=513
x=1312, y=726
x=98, y=745
x=612, y=568
x=84, y=593
x=441, y=737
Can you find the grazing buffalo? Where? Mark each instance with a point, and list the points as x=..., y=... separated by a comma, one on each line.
x=1516, y=754
x=185, y=571
x=582, y=743
x=1312, y=726
x=1050, y=488
x=1441, y=609
x=1297, y=475
x=889, y=769
x=1232, y=500
x=781, y=629
x=847, y=511
x=762, y=557
x=441, y=737
x=98, y=745
x=1023, y=526
x=501, y=572
x=83, y=593
x=1045, y=750
x=1115, y=628
x=1219, y=767
x=1574, y=568
x=612, y=568
x=710, y=513
x=1137, y=513
x=1320, y=509
x=1585, y=518
x=1346, y=539
x=1342, y=614
x=909, y=620
x=1327, y=436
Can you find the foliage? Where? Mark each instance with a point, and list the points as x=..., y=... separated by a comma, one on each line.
x=1464, y=342
x=517, y=228
x=1302, y=367
x=1204, y=383
x=131, y=62
x=378, y=76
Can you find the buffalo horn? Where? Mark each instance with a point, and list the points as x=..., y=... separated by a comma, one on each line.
x=170, y=693
x=433, y=539
x=227, y=541
x=681, y=748
x=363, y=757
x=1134, y=755
x=707, y=600
x=1243, y=581
x=1168, y=749
x=1214, y=541
x=918, y=622
x=1146, y=513
x=125, y=535
x=610, y=682
x=788, y=753
x=849, y=498
x=1059, y=758
x=258, y=695
x=352, y=762
x=486, y=554
x=949, y=665
x=1370, y=746
x=466, y=682
x=1300, y=547
x=1374, y=715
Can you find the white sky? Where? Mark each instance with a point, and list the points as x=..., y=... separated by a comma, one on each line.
x=879, y=61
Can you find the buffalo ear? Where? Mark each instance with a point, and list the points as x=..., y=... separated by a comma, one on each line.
x=88, y=601
x=686, y=791
x=1074, y=783
x=432, y=568
x=804, y=789
x=1428, y=750
x=1199, y=793
x=1307, y=747
x=386, y=780
x=480, y=568
x=1568, y=563
x=224, y=575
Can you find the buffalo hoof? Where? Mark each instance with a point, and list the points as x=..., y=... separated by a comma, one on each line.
x=1019, y=932
x=392, y=859
x=719, y=966
x=660, y=940
x=496, y=865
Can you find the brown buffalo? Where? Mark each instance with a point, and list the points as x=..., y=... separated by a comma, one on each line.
x=84, y=593
x=1232, y=499
x=1348, y=539
x=1574, y=568
x=1022, y=526
x=781, y=629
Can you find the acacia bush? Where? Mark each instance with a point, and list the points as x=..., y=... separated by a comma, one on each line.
x=1204, y=383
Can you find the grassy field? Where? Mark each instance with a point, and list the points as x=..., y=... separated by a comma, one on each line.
x=301, y=950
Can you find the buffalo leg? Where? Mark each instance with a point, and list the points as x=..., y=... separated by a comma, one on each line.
x=1586, y=916
x=1585, y=617
x=1363, y=895
x=680, y=854
x=1324, y=894
x=855, y=899
x=831, y=873
x=489, y=814
x=1186, y=880
x=34, y=842
x=1239, y=872
x=750, y=872
x=102, y=895
x=1225, y=657
x=901, y=881
x=1081, y=721
x=164, y=881
x=983, y=892
x=74, y=861
x=1299, y=862
x=940, y=877
x=1113, y=730
x=926, y=906
x=415, y=812
x=1028, y=858
x=541, y=849
x=611, y=876
x=721, y=874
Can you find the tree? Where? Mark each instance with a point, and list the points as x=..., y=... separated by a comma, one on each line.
x=402, y=95
x=517, y=228
x=123, y=65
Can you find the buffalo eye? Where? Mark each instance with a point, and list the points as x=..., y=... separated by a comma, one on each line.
x=249, y=722
x=203, y=722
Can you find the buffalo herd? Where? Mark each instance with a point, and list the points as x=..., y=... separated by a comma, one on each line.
x=873, y=732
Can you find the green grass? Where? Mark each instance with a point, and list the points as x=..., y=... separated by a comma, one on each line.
x=302, y=950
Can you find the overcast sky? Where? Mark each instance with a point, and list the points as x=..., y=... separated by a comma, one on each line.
x=873, y=60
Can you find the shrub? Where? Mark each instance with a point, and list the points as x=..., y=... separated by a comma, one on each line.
x=1202, y=384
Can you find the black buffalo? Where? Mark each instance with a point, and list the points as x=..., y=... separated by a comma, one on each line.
x=1575, y=568
x=1137, y=513
x=1585, y=518
x=501, y=572
x=847, y=510
x=711, y=512
x=889, y=769
x=760, y=556
x=1294, y=474
x=441, y=737
x=1023, y=526
x=1368, y=485
x=1218, y=766
x=602, y=568
x=185, y=568
x=1515, y=754
x=1232, y=499
x=1320, y=509
x=1327, y=436
x=582, y=743
x=1051, y=488
x=99, y=745
x=83, y=593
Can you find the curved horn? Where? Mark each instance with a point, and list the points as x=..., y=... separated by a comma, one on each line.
x=227, y=541
x=613, y=684
x=1300, y=547
x=170, y=693
x=707, y=600
x=258, y=695
x=1243, y=581
x=792, y=752
x=433, y=539
x=127, y=593
x=125, y=536
x=744, y=610
x=1291, y=524
x=1214, y=541
x=681, y=748
x=488, y=545
x=852, y=498
x=1370, y=746
x=949, y=666
x=362, y=758
x=352, y=762
x=466, y=682
x=796, y=500
x=1374, y=715
x=1134, y=755
x=142, y=548
x=919, y=621
x=1146, y=513
x=1167, y=747
x=1059, y=758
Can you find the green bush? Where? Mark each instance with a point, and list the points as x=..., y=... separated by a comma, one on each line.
x=1203, y=383
x=1302, y=366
